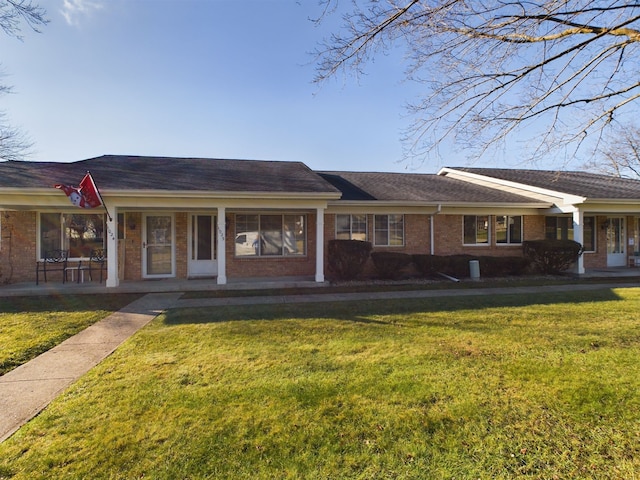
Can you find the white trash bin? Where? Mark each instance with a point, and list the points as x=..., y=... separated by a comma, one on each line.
x=474, y=269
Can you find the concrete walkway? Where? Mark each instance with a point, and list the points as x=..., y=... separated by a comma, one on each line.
x=394, y=295
x=27, y=390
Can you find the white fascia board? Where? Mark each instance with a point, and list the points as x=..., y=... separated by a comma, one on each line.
x=47, y=199
x=500, y=209
x=372, y=206
x=456, y=208
x=603, y=207
x=222, y=195
x=514, y=187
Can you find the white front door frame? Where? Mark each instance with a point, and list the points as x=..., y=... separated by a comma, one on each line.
x=616, y=241
x=578, y=236
x=201, y=263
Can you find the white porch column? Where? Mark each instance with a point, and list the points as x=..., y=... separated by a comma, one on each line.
x=578, y=235
x=221, y=253
x=112, y=249
x=320, y=245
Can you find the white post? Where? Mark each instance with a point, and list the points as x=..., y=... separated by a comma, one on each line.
x=112, y=249
x=221, y=253
x=578, y=236
x=320, y=245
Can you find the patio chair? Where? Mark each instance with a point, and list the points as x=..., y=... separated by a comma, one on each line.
x=97, y=263
x=52, y=261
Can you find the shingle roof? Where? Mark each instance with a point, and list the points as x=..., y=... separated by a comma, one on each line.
x=415, y=187
x=118, y=172
x=584, y=184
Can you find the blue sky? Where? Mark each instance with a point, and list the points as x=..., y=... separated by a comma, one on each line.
x=208, y=78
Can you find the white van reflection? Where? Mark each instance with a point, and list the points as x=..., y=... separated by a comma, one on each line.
x=269, y=243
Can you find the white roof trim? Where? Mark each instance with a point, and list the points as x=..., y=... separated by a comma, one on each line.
x=514, y=187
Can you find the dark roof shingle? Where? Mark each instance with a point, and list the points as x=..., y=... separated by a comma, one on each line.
x=584, y=184
x=416, y=187
x=118, y=172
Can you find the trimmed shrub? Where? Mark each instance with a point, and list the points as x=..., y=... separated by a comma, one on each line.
x=458, y=265
x=346, y=258
x=453, y=265
x=423, y=263
x=503, y=266
x=552, y=256
x=389, y=265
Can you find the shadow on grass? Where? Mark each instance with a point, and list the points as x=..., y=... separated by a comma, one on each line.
x=66, y=303
x=367, y=311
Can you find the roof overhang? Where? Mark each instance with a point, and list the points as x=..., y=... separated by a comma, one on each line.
x=432, y=208
x=543, y=194
x=46, y=199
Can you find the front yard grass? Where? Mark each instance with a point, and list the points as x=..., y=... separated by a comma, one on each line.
x=30, y=326
x=508, y=386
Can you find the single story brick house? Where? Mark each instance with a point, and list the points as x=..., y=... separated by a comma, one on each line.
x=238, y=219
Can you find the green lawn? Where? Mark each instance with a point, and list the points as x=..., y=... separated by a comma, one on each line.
x=471, y=387
x=30, y=326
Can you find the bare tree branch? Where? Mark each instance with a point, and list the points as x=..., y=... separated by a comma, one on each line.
x=560, y=69
x=14, y=144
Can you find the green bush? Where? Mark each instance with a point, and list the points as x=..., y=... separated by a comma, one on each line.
x=390, y=265
x=346, y=258
x=552, y=256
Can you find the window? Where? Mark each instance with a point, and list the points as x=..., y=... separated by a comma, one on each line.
x=561, y=228
x=351, y=227
x=388, y=230
x=508, y=229
x=476, y=230
x=270, y=235
x=589, y=234
x=79, y=233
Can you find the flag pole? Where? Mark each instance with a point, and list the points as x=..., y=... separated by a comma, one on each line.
x=100, y=196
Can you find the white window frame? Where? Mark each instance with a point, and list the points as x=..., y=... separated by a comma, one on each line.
x=477, y=244
x=350, y=215
x=388, y=230
x=63, y=240
x=509, y=241
x=282, y=215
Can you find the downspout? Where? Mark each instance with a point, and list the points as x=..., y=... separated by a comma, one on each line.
x=432, y=235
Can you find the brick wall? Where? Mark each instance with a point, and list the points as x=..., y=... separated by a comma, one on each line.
x=182, y=256
x=18, y=247
x=133, y=246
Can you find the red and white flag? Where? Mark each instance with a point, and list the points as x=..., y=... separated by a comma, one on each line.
x=85, y=195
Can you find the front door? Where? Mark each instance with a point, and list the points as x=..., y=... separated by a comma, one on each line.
x=616, y=251
x=157, y=245
x=202, y=246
